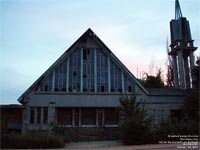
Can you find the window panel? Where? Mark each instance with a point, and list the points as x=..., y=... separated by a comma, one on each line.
x=129, y=86
x=102, y=71
x=74, y=71
x=111, y=116
x=64, y=116
x=88, y=70
x=46, y=84
x=32, y=114
x=60, y=77
x=38, y=115
x=116, y=78
x=88, y=75
x=45, y=115
x=88, y=116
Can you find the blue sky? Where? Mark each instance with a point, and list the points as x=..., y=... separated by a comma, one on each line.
x=34, y=33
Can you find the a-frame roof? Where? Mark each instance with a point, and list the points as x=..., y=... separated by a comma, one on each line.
x=90, y=33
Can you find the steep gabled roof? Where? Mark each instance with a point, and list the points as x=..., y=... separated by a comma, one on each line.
x=89, y=32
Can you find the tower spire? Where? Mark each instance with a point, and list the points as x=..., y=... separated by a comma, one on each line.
x=178, y=13
x=182, y=50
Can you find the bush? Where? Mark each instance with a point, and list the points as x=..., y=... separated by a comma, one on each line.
x=56, y=130
x=134, y=133
x=32, y=140
x=136, y=126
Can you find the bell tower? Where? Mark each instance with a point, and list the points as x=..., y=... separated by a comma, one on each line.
x=182, y=50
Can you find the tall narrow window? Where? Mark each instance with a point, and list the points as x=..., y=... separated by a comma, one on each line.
x=129, y=89
x=46, y=84
x=102, y=71
x=60, y=77
x=76, y=115
x=88, y=70
x=116, y=78
x=38, y=115
x=74, y=71
x=45, y=115
x=32, y=114
x=129, y=85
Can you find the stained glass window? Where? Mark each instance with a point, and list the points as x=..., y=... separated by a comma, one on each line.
x=60, y=77
x=88, y=70
x=129, y=85
x=87, y=60
x=74, y=73
x=102, y=71
x=116, y=78
x=46, y=84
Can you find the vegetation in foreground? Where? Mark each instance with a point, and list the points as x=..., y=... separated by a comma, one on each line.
x=32, y=140
x=186, y=122
x=137, y=128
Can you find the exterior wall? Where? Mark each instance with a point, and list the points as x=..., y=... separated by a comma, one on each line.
x=11, y=119
x=67, y=117
x=158, y=106
x=159, y=112
x=75, y=100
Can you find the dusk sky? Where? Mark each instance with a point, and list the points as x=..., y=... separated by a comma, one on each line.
x=35, y=33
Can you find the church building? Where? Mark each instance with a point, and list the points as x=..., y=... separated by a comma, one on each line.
x=83, y=87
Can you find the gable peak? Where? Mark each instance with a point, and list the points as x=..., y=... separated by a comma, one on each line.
x=89, y=32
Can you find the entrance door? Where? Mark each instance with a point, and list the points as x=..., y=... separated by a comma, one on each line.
x=100, y=117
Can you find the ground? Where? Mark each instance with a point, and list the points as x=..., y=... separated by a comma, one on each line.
x=117, y=145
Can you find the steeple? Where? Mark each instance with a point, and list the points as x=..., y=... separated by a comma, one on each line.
x=178, y=13
x=182, y=50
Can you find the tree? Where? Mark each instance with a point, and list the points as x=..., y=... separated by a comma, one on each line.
x=169, y=64
x=153, y=81
x=170, y=75
x=136, y=125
